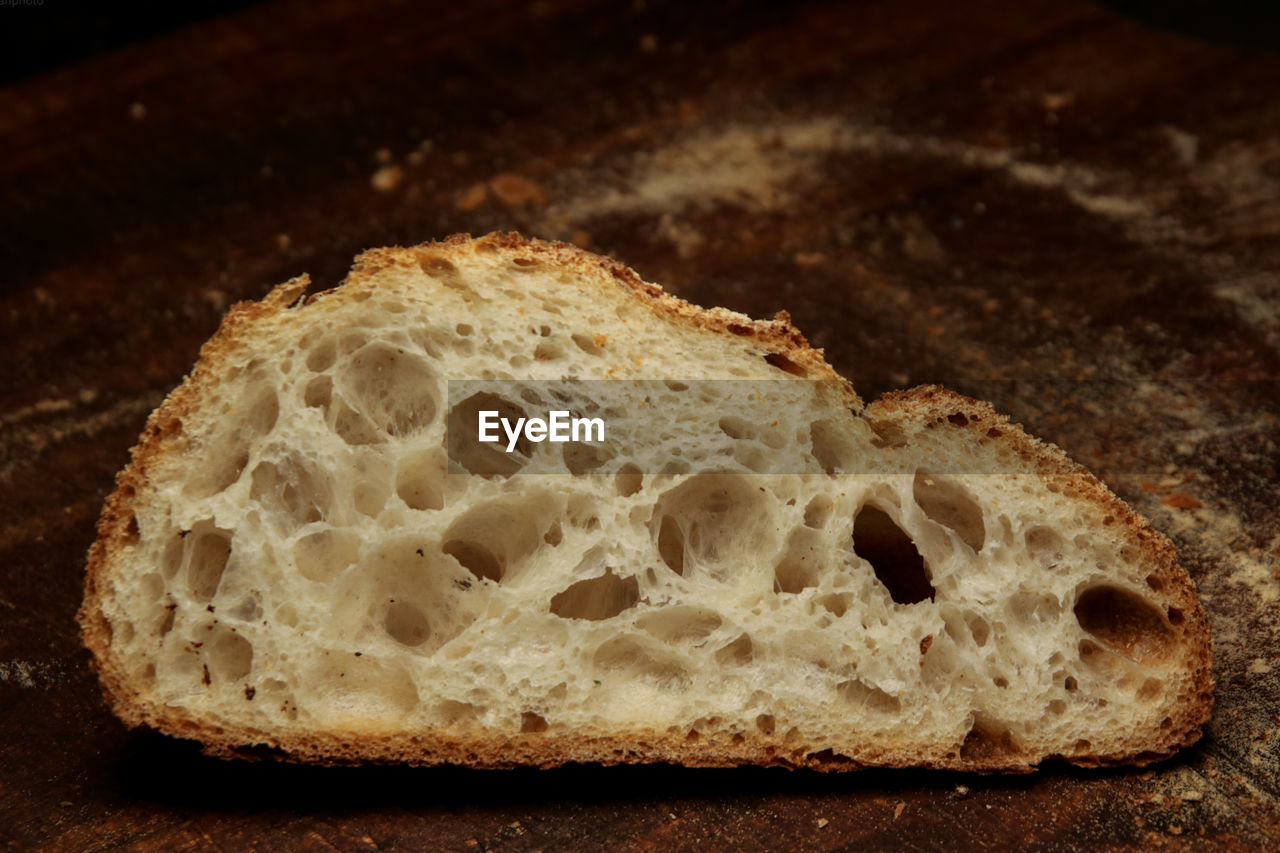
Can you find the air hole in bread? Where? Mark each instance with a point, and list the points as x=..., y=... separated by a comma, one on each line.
x=582, y=511
x=290, y=489
x=979, y=628
x=171, y=561
x=785, y=364
x=582, y=458
x=1100, y=661
x=752, y=457
x=948, y=503
x=626, y=658
x=360, y=690
x=263, y=413
x=131, y=534
x=547, y=351
x=628, y=480
x=587, y=344
x=151, y=587
x=229, y=655
x=475, y=558
x=554, y=535
x=680, y=624
x=1056, y=707
x=1070, y=684
x=391, y=386
x=818, y=511
x=671, y=544
x=322, y=555
x=737, y=428
x=418, y=480
x=476, y=457
x=247, y=609
x=987, y=741
x=798, y=569
x=766, y=723
x=321, y=356
x=1045, y=547
x=318, y=393
x=225, y=463
x=836, y=603
x=437, y=267
x=406, y=623
x=1151, y=691
x=351, y=426
x=209, y=549
x=596, y=598
x=531, y=722
x=723, y=521
x=1124, y=622
x=892, y=555
x=738, y=652
x=832, y=447
x=1175, y=616
x=1155, y=582
x=674, y=468
x=167, y=620
x=1034, y=608
x=863, y=695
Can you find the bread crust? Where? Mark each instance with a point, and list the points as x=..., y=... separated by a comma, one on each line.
x=919, y=408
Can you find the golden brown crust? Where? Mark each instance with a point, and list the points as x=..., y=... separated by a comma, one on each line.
x=162, y=436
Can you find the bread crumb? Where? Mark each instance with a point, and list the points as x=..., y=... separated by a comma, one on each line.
x=1181, y=500
x=137, y=111
x=1054, y=101
x=514, y=190
x=808, y=259
x=473, y=197
x=1186, y=146
x=962, y=791
x=897, y=810
x=1192, y=796
x=1175, y=829
x=387, y=178
x=821, y=822
x=1259, y=667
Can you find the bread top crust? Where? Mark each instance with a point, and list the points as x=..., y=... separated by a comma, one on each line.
x=912, y=410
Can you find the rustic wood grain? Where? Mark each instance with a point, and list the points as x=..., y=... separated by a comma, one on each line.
x=1044, y=204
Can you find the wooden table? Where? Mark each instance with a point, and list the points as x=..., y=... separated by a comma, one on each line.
x=1043, y=204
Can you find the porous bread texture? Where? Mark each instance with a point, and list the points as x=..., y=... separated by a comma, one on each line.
x=288, y=567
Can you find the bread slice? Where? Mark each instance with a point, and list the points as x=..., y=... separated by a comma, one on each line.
x=752, y=567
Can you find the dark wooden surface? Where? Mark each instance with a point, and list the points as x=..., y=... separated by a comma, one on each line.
x=1044, y=204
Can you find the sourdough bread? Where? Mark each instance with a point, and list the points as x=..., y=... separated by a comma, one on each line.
x=752, y=567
